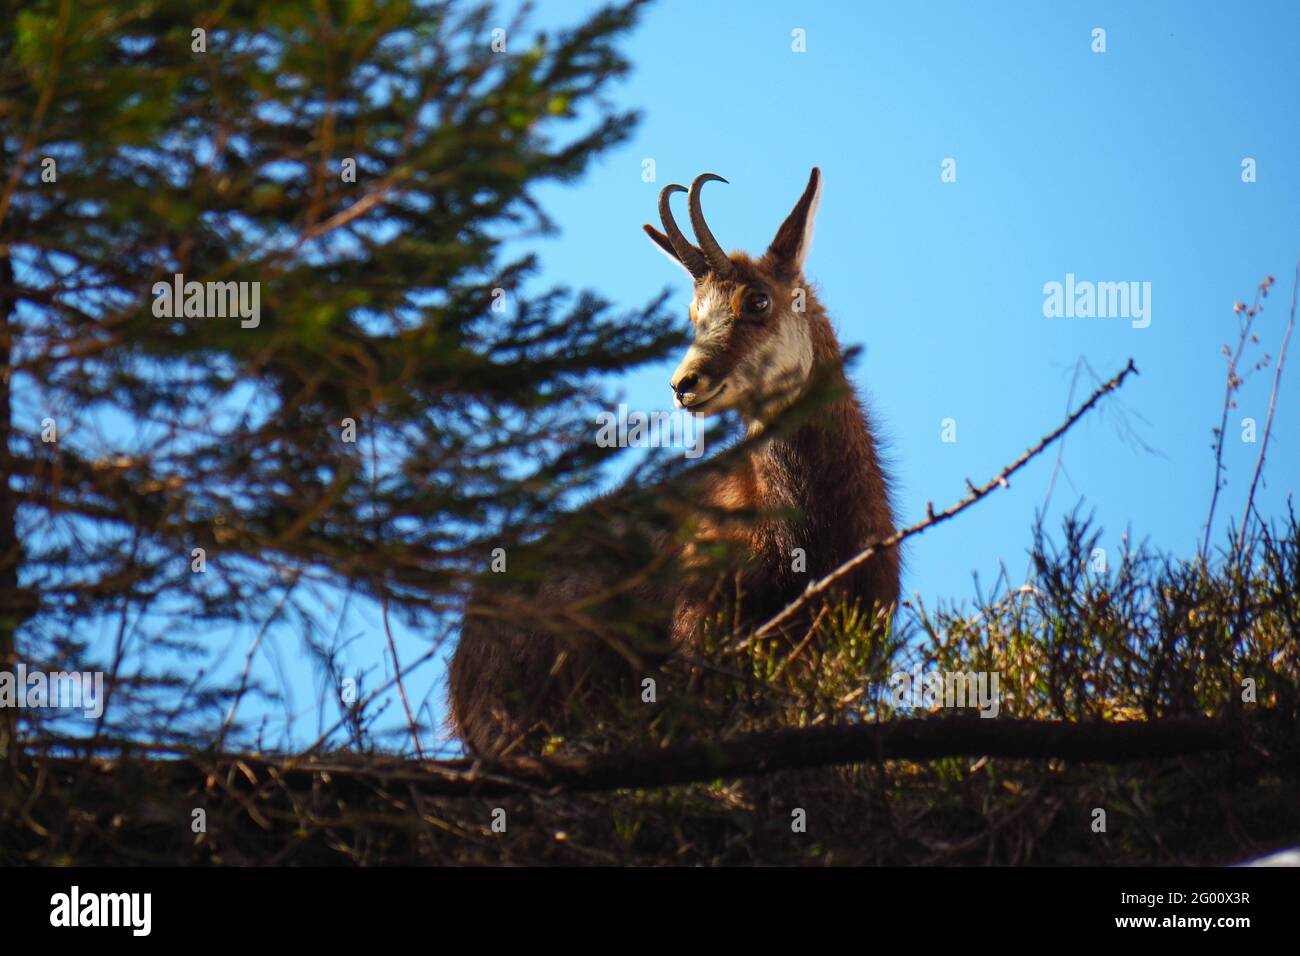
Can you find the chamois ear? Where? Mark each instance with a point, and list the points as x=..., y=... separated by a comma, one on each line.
x=665, y=246
x=790, y=247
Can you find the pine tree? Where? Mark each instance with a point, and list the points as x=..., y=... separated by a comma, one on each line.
x=259, y=331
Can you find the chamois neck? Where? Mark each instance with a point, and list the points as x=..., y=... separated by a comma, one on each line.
x=826, y=468
x=826, y=458
x=827, y=471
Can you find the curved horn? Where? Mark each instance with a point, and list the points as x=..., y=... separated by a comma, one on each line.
x=690, y=257
x=713, y=252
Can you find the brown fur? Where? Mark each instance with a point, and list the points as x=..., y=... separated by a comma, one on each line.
x=819, y=487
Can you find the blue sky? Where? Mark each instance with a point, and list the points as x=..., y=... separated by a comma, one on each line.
x=1117, y=166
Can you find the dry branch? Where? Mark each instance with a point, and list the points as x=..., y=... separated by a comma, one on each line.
x=933, y=518
x=1268, y=422
x=706, y=760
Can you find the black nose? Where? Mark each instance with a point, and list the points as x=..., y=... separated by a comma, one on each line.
x=685, y=383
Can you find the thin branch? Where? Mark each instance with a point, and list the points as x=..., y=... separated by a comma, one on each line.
x=1232, y=385
x=933, y=517
x=1079, y=366
x=374, y=695
x=411, y=723
x=1268, y=422
x=248, y=661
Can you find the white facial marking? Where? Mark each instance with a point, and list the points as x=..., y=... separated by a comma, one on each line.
x=712, y=314
x=782, y=364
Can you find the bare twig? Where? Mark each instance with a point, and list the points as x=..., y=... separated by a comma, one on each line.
x=1079, y=366
x=933, y=517
x=248, y=661
x=1268, y=422
x=411, y=723
x=1233, y=383
x=370, y=698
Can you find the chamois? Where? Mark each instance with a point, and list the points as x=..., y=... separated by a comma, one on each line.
x=762, y=339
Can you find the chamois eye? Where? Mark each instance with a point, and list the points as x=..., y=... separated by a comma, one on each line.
x=757, y=302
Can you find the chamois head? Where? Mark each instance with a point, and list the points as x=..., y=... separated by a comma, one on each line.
x=754, y=336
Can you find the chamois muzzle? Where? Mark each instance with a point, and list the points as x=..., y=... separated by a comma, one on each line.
x=694, y=389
